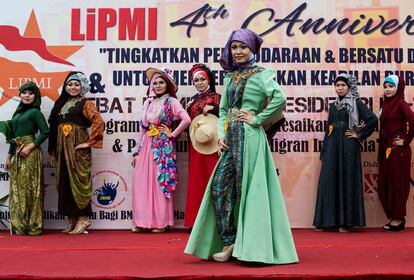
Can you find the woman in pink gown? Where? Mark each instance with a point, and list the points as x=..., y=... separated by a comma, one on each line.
x=155, y=164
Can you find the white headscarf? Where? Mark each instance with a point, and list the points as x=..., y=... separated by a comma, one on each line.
x=83, y=81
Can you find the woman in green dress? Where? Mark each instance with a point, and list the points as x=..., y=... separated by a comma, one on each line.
x=70, y=150
x=243, y=212
x=25, y=163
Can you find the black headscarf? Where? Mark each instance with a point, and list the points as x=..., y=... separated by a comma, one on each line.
x=64, y=96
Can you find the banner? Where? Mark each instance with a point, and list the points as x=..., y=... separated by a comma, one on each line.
x=306, y=43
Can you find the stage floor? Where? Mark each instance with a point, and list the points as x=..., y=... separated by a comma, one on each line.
x=364, y=254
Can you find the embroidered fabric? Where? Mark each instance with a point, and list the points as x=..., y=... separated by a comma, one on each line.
x=69, y=104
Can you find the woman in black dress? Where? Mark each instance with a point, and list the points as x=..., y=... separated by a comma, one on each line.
x=340, y=198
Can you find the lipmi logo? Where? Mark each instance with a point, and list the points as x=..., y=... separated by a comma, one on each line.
x=130, y=24
x=13, y=73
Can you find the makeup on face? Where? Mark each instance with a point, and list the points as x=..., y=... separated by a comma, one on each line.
x=74, y=88
x=389, y=90
x=159, y=86
x=240, y=52
x=27, y=97
x=341, y=88
x=200, y=83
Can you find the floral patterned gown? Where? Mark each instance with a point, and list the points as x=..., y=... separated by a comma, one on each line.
x=155, y=172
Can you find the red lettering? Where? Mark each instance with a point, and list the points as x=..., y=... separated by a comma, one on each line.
x=75, y=31
x=106, y=19
x=90, y=24
x=133, y=25
x=152, y=24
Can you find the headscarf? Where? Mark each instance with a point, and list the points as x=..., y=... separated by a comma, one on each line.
x=343, y=79
x=165, y=74
x=80, y=77
x=37, y=101
x=206, y=72
x=390, y=103
x=6, y=126
x=202, y=73
x=349, y=102
x=64, y=96
x=247, y=37
x=391, y=79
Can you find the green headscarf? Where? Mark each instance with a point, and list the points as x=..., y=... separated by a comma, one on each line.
x=36, y=103
x=6, y=126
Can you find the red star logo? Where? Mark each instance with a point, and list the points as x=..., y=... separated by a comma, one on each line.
x=14, y=74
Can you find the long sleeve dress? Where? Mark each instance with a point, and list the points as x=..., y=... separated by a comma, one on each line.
x=263, y=231
x=26, y=174
x=394, y=171
x=74, y=167
x=340, y=197
x=200, y=166
x=155, y=172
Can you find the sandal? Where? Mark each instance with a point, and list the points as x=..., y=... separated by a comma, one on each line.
x=70, y=226
x=158, y=230
x=81, y=226
x=136, y=229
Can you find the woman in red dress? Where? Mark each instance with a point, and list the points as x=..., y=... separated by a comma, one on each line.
x=205, y=101
x=394, y=155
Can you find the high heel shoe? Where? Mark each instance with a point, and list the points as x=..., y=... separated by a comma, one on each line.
x=70, y=226
x=392, y=228
x=224, y=256
x=81, y=226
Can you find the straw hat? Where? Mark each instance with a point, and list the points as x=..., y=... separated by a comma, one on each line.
x=165, y=72
x=203, y=134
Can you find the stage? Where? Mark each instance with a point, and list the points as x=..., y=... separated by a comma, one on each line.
x=364, y=254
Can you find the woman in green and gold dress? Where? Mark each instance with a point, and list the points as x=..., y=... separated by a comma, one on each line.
x=25, y=162
x=70, y=150
x=243, y=212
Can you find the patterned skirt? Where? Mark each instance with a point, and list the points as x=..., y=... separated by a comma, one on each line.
x=74, y=167
x=26, y=190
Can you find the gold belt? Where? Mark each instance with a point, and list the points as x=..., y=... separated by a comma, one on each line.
x=21, y=141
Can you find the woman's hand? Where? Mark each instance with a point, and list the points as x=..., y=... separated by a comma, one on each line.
x=7, y=164
x=134, y=160
x=206, y=109
x=351, y=134
x=164, y=129
x=82, y=146
x=222, y=146
x=52, y=160
x=26, y=150
x=398, y=141
x=245, y=116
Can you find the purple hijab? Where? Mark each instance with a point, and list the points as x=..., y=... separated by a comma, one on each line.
x=246, y=36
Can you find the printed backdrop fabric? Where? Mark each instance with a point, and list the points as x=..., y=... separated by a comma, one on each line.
x=114, y=42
